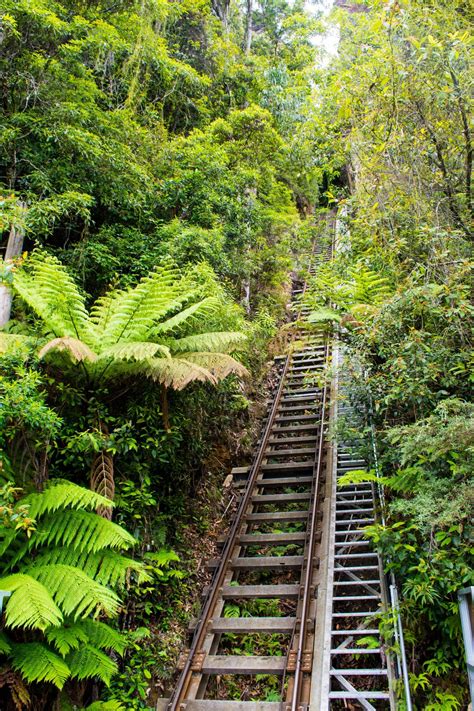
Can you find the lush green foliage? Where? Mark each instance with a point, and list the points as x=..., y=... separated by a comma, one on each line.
x=160, y=157
x=399, y=105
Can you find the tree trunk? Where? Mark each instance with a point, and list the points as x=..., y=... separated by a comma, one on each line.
x=164, y=408
x=14, y=249
x=249, y=27
x=246, y=296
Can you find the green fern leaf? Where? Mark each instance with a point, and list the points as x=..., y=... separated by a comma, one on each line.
x=106, y=706
x=360, y=476
x=133, y=312
x=5, y=644
x=45, y=285
x=60, y=493
x=103, y=636
x=107, y=567
x=89, y=663
x=323, y=314
x=76, y=350
x=176, y=373
x=134, y=351
x=214, y=341
x=31, y=605
x=219, y=365
x=66, y=638
x=74, y=592
x=84, y=531
x=38, y=663
x=205, y=307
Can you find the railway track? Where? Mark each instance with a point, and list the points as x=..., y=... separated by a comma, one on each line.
x=296, y=587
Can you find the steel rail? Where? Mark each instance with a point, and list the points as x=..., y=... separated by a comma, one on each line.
x=212, y=598
x=296, y=690
x=180, y=691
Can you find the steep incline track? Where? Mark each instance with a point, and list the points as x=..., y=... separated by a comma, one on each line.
x=296, y=587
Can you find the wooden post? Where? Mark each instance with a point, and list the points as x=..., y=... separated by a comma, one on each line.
x=14, y=249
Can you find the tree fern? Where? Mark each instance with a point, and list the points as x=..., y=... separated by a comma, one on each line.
x=60, y=494
x=37, y=662
x=75, y=593
x=129, y=333
x=369, y=287
x=135, y=310
x=89, y=663
x=134, y=351
x=31, y=604
x=72, y=636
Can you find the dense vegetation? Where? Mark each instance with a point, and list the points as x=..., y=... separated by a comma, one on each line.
x=401, y=288
x=161, y=160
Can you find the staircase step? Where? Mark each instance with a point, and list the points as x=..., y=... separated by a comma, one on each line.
x=234, y=592
x=229, y=664
x=253, y=625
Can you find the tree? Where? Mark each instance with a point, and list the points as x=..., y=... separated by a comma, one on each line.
x=154, y=329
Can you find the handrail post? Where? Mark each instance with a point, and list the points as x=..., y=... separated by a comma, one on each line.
x=466, y=612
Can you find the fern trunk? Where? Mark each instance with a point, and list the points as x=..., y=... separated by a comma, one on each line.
x=165, y=408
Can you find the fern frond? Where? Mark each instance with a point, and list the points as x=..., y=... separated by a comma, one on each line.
x=74, y=592
x=176, y=373
x=222, y=341
x=106, y=706
x=67, y=637
x=360, y=476
x=102, y=481
x=30, y=605
x=60, y=493
x=323, y=314
x=219, y=365
x=133, y=312
x=369, y=286
x=83, y=531
x=102, y=636
x=75, y=349
x=38, y=663
x=134, y=351
x=106, y=567
x=50, y=291
x=72, y=636
x=205, y=307
x=89, y=662
x=5, y=644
